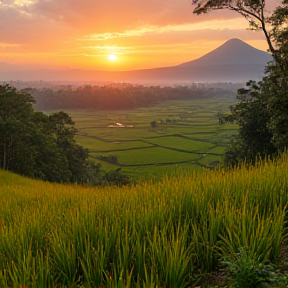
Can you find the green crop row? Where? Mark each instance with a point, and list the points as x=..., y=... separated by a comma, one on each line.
x=183, y=126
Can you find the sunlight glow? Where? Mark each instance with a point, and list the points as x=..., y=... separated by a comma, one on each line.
x=112, y=57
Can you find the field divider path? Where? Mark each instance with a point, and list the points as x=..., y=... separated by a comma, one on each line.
x=179, y=135
x=154, y=145
x=193, y=161
x=108, y=141
x=185, y=151
x=194, y=139
x=124, y=149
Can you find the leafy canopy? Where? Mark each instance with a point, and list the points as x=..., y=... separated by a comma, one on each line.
x=262, y=108
x=43, y=146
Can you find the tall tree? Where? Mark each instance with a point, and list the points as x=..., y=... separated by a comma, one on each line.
x=76, y=156
x=50, y=161
x=43, y=146
x=251, y=113
x=262, y=110
x=277, y=79
x=38, y=145
x=15, y=116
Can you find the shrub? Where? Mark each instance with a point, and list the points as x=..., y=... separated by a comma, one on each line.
x=247, y=271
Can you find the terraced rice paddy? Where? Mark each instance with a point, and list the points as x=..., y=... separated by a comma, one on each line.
x=187, y=136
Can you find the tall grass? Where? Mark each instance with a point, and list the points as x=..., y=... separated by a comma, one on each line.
x=166, y=234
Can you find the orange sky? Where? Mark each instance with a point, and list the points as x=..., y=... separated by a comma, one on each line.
x=140, y=33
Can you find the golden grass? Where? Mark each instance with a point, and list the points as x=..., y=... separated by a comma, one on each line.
x=149, y=235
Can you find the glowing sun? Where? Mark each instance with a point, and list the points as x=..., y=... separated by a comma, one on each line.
x=112, y=57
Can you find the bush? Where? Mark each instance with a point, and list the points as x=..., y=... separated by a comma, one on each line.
x=245, y=270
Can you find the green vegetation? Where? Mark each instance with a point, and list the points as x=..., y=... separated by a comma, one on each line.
x=262, y=108
x=119, y=96
x=47, y=146
x=247, y=270
x=43, y=146
x=172, y=233
x=187, y=136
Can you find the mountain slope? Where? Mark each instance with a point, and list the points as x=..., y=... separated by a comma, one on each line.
x=234, y=61
x=232, y=52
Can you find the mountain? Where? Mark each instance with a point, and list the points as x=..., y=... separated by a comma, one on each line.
x=232, y=52
x=234, y=61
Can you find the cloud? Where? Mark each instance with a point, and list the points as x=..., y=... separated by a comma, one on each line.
x=97, y=16
x=71, y=28
x=8, y=45
x=230, y=24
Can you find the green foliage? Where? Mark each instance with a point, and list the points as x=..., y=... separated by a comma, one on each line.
x=15, y=117
x=42, y=146
x=246, y=270
x=118, y=97
x=194, y=142
x=262, y=115
x=115, y=178
x=251, y=114
x=262, y=111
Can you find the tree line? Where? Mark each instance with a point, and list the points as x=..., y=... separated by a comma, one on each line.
x=42, y=146
x=116, y=98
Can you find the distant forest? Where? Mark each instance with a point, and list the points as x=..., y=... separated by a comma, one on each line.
x=117, y=97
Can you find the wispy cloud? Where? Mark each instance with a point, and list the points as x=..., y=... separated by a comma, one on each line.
x=129, y=33
x=17, y=3
x=230, y=24
x=143, y=32
x=110, y=49
x=24, y=2
x=8, y=45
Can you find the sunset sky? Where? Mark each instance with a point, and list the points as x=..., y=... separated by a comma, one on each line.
x=114, y=35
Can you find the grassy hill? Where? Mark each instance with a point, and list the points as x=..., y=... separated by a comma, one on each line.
x=168, y=234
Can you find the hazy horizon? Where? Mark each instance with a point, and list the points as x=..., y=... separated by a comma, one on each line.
x=118, y=36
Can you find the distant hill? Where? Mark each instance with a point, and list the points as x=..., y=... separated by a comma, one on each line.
x=234, y=61
x=232, y=52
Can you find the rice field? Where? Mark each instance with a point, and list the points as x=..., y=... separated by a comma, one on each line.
x=186, y=135
x=165, y=234
x=155, y=156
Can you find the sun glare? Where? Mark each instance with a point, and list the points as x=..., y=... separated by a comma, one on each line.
x=112, y=57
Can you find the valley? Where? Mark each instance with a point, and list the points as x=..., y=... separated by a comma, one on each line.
x=173, y=135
